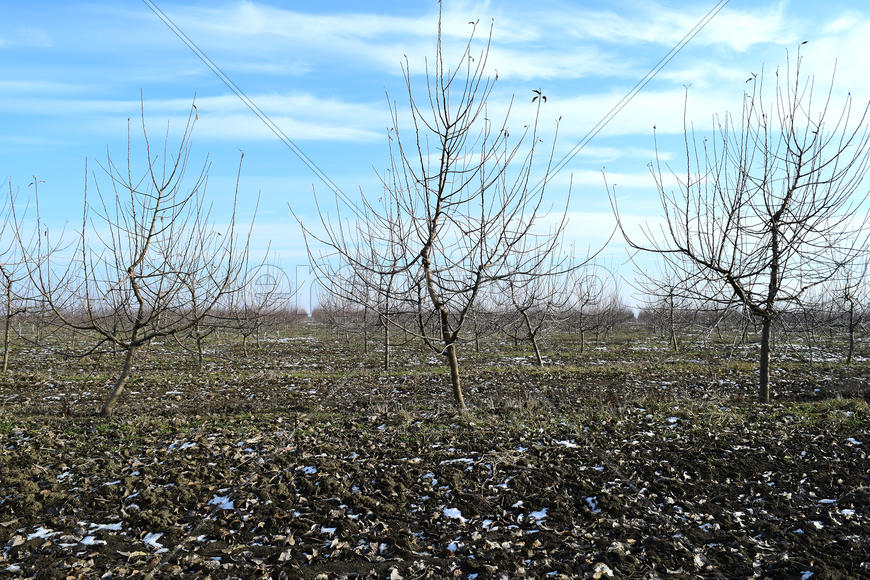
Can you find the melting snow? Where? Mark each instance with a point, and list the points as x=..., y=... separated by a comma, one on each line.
x=459, y=460
x=222, y=502
x=592, y=502
x=151, y=539
x=854, y=441
x=568, y=444
x=42, y=533
x=116, y=527
x=91, y=541
x=454, y=513
x=539, y=515
x=310, y=470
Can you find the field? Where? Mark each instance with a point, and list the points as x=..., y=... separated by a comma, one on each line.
x=306, y=461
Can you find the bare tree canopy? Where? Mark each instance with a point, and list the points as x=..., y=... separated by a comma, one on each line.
x=458, y=210
x=149, y=260
x=770, y=205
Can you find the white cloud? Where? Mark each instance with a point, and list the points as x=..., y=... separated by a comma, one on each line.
x=301, y=116
x=842, y=23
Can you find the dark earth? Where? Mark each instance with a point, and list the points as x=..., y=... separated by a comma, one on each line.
x=305, y=461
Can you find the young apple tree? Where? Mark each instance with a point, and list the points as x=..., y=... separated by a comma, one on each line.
x=149, y=260
x=768, y=206
x=458, y=212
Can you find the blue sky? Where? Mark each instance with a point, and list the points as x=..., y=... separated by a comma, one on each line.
x=72, y=73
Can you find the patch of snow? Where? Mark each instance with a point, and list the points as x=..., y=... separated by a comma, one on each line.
x=42, y=533
x=540, y=514
x=115, y=527
x=309, y=470
x=452, y=547
x=465, y=460
x=853, y=441
x=222, y=502
x=568, y=444
x=151, y=539
x=454, y=513
x=91, y=541
x=592, y=502
x=327, y=531
x=806, y=575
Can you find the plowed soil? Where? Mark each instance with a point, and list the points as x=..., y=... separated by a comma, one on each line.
x=303, y=462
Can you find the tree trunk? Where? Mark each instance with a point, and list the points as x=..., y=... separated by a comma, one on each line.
x=245, y=345
x=454, y=377
x=6, y=324
x=851, y=334
x=386, y=345
x=538, y=358
x=764, y=366
x=533, y=339
x=365, y=330
x=109, y=407
x=198, y=339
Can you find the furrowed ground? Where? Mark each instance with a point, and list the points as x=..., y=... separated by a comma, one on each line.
x=304, y=460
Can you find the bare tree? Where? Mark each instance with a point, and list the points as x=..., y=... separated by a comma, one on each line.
x=767, y=208
x=13, y=273
x=851, y=294
x=539, y=297
x=264, y=294
x=457, y=209
x=149, y=261
x=593, y=291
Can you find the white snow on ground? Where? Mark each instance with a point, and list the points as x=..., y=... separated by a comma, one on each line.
x=115, y=527
x=592, y=502
x=454, y=513
x=222, y=502
x=151, y=539
x=42, y=532
x=540, y=514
